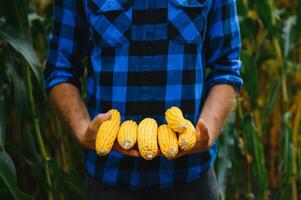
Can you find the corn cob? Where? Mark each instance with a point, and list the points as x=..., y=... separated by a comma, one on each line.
x=127, y=135
x=107, y=133
x=175, y=119
x=147, y=138
x=168, y=141
x=188, y=138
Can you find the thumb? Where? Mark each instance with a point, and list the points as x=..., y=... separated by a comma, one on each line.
x=100, y=118
x=203, y=130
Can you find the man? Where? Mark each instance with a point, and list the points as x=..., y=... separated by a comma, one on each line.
x=145, y=56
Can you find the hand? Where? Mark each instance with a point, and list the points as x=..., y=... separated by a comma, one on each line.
x=133, y=152
x=88, y=138
x=202, y=141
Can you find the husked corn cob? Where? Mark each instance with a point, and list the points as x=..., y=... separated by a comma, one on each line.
x=127, y=135
x=107, y=133
x=188, y=138
x=175, y=119
x=147, y=138
x=168, y=141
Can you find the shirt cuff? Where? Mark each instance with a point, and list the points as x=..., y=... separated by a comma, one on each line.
x=232, y=80
x=64, y=79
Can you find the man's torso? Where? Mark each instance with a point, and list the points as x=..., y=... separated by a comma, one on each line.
x=144, y=57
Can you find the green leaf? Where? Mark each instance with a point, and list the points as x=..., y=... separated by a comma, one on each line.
x=23, y=46
x=255, y=147
x=289, y=24
x=2, y=123
x=8, y=175
x=271, y=103
x=286, y=151
x=31, y=153
x=15, y=13
x=249, y=73
x=32, y=157
x=242, y=8
x=267, y=13
x=226, y=142
x=248, y=28
x=298, y=27
x=20, y=98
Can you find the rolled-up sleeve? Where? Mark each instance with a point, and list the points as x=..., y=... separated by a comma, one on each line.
x=67, y=44
x=222, y=45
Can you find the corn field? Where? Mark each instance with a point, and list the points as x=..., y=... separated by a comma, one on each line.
x=259, y=149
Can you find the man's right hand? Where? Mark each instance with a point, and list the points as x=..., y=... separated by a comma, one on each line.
x=130, y=152
x=88, y=138
x=67, y=99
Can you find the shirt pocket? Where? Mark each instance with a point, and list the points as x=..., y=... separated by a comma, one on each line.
x=111, y=21
x=186, y=21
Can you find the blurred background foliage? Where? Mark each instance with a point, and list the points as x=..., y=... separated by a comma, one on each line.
x=259, y=155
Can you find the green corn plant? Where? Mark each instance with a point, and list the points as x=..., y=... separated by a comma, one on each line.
x=16, y=38
x=268, y=136
x=25, y=115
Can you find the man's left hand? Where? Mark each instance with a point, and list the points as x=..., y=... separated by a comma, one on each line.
x=202, y=140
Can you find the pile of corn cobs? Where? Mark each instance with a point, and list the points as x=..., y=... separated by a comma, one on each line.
x=178, y=133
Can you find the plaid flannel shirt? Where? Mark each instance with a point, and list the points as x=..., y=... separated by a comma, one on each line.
x=144, y=57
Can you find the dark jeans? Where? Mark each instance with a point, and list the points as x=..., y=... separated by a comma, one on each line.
x=204, y=188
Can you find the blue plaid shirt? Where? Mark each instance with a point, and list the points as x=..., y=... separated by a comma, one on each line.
x=144, y=57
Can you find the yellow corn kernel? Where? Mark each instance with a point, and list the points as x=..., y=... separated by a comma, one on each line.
x=107, y=133
x=127, y=135
x=147, y=138
x=168, y=141
x=175, y=119
x=188, y=138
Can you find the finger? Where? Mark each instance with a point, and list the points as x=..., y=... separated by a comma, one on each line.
x=203, y=129
x=200, y=125
x=134, y=153
x=180, y=154
x=159, y=153
x=100, y=118
x=130, y=152
x=89, y=146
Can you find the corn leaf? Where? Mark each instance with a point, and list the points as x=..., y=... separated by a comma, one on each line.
x=256, y=148
x=15, y=14
x=286, y=155
x=8, y=175
x=289, y=24
x=33, y=158
x=271, y=101
x=19, y=91
x=23, y=46
x=226, y=142
x=2, y=123
x=250, y=77
x=267, y=13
